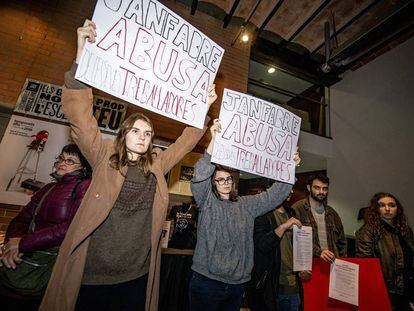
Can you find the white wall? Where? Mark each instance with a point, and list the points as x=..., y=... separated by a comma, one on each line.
x=372, y=117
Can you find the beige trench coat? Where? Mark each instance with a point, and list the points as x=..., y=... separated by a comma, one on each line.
x=63, y=287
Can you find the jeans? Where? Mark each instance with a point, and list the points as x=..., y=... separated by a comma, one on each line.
x=211, y=295
x=288, y=302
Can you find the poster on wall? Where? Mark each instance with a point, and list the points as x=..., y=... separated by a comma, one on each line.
x=257, y=136
x=35, y=135
x=149, y=56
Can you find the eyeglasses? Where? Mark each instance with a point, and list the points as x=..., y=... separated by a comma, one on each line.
x=69, y=162
x=389, y=204
x=221, y=181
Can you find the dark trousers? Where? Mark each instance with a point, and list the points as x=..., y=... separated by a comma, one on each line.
x=211, y=295
x=117, y=297
x=13, y=304
x=11, y=301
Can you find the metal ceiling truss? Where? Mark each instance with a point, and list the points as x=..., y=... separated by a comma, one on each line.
x=229, y=16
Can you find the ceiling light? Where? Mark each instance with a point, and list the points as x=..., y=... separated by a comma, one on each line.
x=271, y=70
x=245, y=37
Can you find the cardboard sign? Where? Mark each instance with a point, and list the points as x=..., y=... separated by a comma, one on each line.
x=35, y=135
x=257, y=136
x=149, y=56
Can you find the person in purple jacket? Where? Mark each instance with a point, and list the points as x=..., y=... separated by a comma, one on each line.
x=59, y=202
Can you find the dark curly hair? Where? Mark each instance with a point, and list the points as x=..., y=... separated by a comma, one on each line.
x=373, y=218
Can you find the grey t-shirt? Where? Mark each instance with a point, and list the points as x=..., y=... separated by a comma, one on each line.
x=224, y=250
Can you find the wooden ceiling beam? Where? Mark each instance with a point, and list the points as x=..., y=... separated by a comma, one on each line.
x=349, y=23
x=311, y=18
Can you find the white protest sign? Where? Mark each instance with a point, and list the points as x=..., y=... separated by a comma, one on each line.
x=149, y=56
x=257, y=136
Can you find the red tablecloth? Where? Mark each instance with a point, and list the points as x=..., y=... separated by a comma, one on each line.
x=372, y=291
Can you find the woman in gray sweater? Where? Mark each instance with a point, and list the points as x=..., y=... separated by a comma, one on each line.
x=223, y=257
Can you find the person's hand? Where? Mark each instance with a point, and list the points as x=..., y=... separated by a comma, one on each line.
x=327, y=255
x=13, y=243
x=290, y=222
x=279, y=231
x=305, y=275
x=296, y=157
x=11, y=256
x=11, y=259
x=215, y=128
x=86, y=32
x=412, y=305
x=212, y=95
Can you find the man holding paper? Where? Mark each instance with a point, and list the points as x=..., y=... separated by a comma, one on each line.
x=329, y=239
x=274, y=285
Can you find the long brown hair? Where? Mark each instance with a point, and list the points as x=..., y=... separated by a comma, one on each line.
x=373, y=218
x=232, y=195
x=120, y=158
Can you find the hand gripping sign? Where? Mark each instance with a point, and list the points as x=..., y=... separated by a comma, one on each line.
x=149, y=56
x=257, y=136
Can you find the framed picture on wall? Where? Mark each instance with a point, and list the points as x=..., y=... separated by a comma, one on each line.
x=182, y=173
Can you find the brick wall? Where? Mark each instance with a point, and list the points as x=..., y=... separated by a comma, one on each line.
x=7, y=213
x=38, y=40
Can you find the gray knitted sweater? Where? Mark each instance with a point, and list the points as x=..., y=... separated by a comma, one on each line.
x=224, y=250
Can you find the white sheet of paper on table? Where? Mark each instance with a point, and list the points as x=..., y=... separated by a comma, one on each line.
x=343, y=281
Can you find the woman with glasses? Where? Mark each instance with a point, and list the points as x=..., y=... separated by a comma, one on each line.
x=43, y=222
x=387, y=236
x=223, y=257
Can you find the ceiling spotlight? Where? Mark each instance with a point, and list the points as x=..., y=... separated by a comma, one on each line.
x=245, y=37
x=271, y=70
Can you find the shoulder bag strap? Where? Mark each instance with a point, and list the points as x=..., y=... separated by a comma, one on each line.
x=33, y=223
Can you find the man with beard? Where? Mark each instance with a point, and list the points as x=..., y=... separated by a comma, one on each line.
x=329, y=239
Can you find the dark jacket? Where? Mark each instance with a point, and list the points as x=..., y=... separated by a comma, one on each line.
x=54, y=216
x=334, y=228
x=387, y=247
x=262, y=290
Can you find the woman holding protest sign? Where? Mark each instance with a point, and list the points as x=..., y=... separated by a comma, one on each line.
x=223, y=257
x=110, y=259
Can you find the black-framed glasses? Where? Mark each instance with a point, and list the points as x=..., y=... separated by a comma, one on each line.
x=61, y=158
x=221, y=181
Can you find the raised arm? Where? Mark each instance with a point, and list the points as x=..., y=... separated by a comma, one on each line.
x=183, y=145
x=201, y=182
x=77, y=104
x=264, y=202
